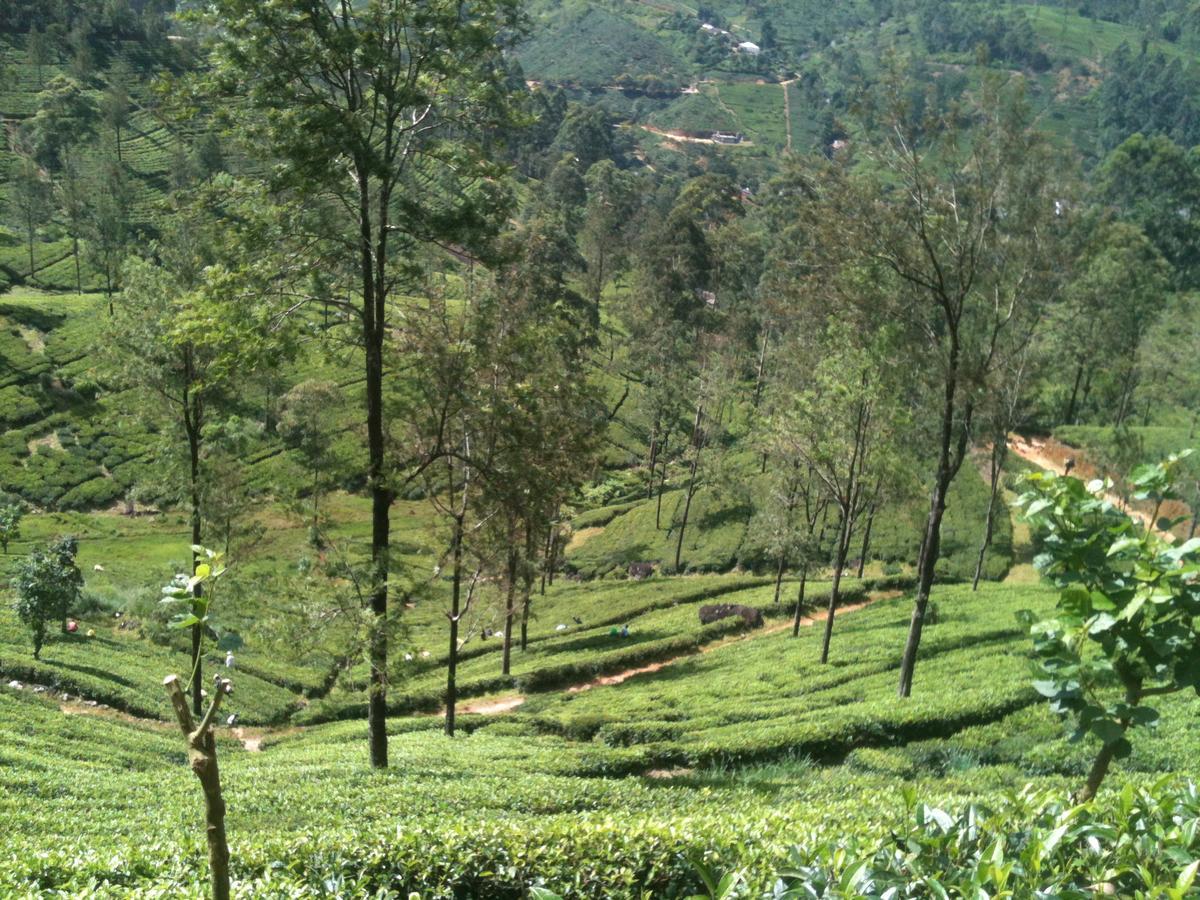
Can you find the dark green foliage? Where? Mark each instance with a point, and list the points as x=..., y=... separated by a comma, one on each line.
x=1125, y=628
x=48, y=585
x=1150, y=93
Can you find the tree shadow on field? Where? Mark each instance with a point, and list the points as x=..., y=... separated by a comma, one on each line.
x=31, y=317
x=621, y=559
x=731, y=514
x=88, y=670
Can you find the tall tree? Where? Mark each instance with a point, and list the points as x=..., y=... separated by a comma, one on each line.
x=373, y=110
x=107, y=227
x=66, y=117
x=37, y=51
x=115, y=107
x=176, y=340
x=71, y=194
x=309, y=424
x=957, y=222
x=844, y=423
x=30, y=196
x=611, y=207
x=1001, y=413
x=543, y=416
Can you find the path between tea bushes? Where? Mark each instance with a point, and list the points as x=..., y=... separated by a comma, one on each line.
x=252, y=739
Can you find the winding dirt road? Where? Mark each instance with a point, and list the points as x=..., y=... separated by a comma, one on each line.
x=1052, y=456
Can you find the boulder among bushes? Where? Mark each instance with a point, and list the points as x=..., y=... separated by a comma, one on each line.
x=714, y=613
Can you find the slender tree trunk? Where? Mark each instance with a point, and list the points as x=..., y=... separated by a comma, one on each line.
x=662, y=481
x=758, y=375
x=509, y=602
x=598, y=285
x=653, y=460
x=843, y=549
x=527, y=587
x=800, y=601
x=1069, y=416
x=1087, y=391
x=193, y=424
x=691, y=489
x=779, y=575
x=118, y=130
x=374, y=329
x=525, y=622
x=999, y=451
x=78, y=276
x=1127, y=389
x=950, y=456
x=866, y=544
x=32, y=267
x=455, y=594
x=687, y=509
x=548, y=564
x=316, y=513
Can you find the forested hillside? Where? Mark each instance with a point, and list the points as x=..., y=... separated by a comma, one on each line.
x=579, y=449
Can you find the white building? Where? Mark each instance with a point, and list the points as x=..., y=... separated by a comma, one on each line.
x=749, y=47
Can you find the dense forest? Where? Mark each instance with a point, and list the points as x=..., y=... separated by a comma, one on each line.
x=603, y=444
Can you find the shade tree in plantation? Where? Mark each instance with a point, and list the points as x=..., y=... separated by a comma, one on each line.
x=48, y=583
x=441, y=415
x=66, y=117
x=1002, y=411
x=115, y=105
x=106, y=226
x=183, y=342
x=613, y=197
x=960, y=233
x=540, y=415
x=227, y=496
x=843, y=419
x=11, y=513
x=374, y=112
x=309, y=423
x=788, y=505
x=72, y=195
x=1125, y=624
x=30, y=201
x=37, y=51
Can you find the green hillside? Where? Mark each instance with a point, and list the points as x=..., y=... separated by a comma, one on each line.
x=548, y=497
x=565, y=769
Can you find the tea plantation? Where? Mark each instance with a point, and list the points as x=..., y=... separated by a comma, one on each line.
x=748, y=756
